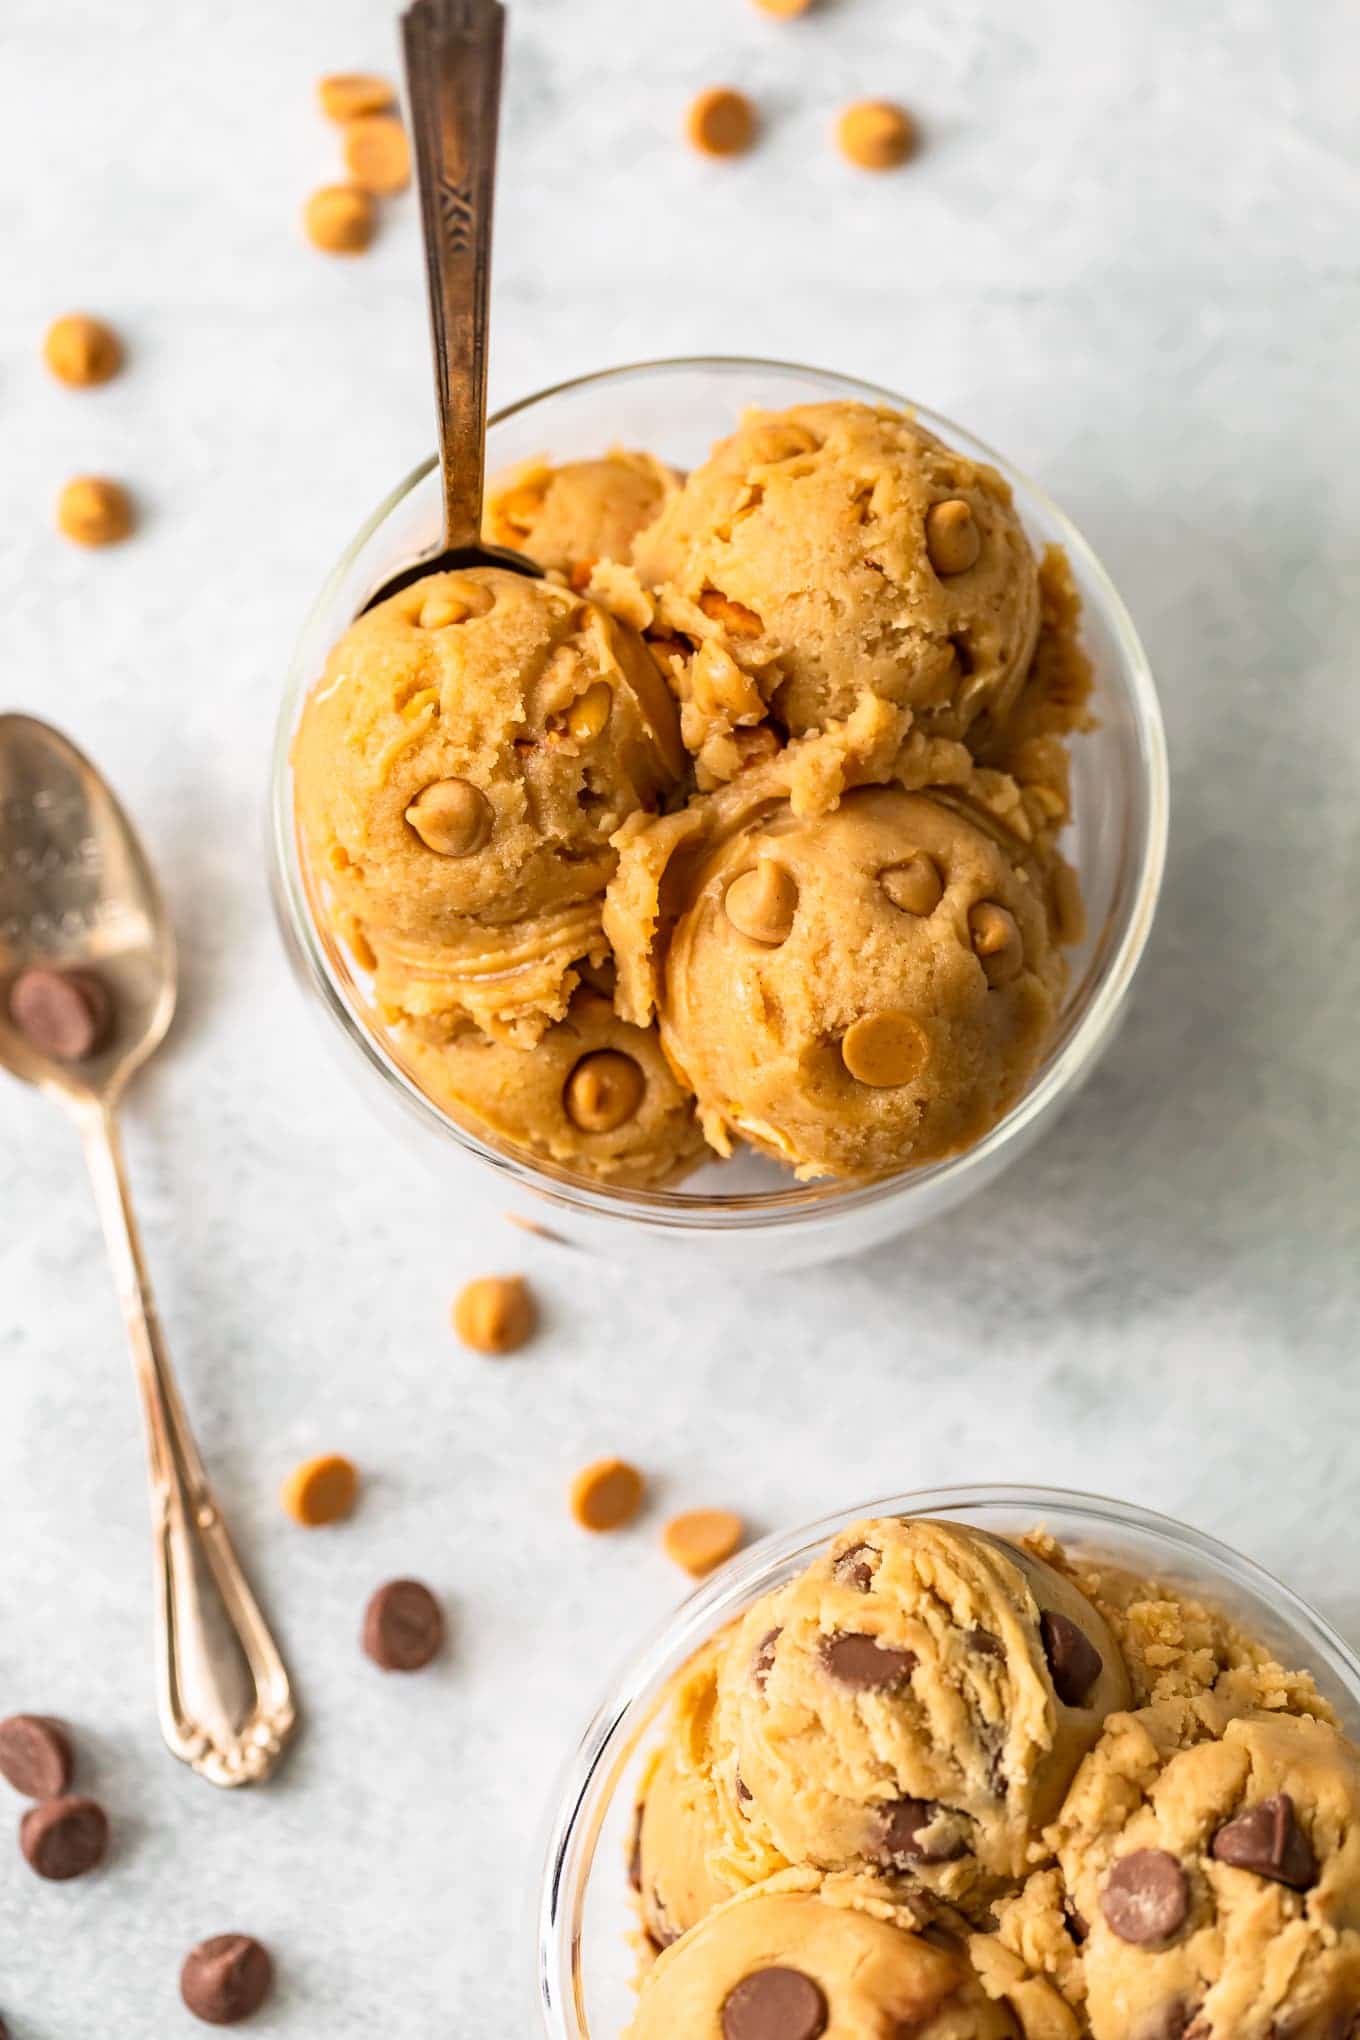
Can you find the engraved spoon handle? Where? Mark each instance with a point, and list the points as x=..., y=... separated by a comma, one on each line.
x=225, y=1701
x=453, y=84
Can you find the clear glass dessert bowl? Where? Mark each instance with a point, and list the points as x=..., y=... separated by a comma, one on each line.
x=748, y=1212
x=586, y=1927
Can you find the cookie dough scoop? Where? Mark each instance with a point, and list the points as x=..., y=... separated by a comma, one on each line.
x=87, y=989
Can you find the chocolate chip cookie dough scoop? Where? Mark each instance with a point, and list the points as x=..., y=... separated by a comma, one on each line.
x=917, y=1708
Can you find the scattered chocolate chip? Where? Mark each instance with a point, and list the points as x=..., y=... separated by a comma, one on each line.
x=1073, y=1660
x=853, y=1569
x=635, y=1848
x=774, y=2004
x=1267, y=1838
x=901, y=1827
x=763, y=1661
x=226, y=1978
x=61, y=1013
x=403, y=1627
x=35, y=1756
x=983, y=1644
x=64, y=1838
x=864, y=1664
x=1146, y=1897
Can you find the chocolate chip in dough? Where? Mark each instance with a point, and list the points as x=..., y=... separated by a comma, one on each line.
x=864, y=1664
x=403, y=1627
x=226, y=1978
x=763, y=1661
x=983, y=1644
x=744, y=1792
x=852, y=1568
x=1073, y=1660
x=635, y=1848
x=64, y=1838
x=61, y=1013
x=1146, y=1897
x=1267, y=1838
x=35, y=1756
x=774, y=2004
x=903, y=1823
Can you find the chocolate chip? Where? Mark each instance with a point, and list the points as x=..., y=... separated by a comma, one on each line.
x=35, y=1756
x=1146, y=1897
x=64, y=1838
x=226, y=1978
x=1073, y=1659
x=864, y=1664
x=404, y=1626
x=635, y=1847
x=983, y=1644
x=744, y=1792
x=1267, y=1838
x=763, y=1661
x=660, y=1932
x=61, y=1013
x=901, y=1826
x=853, y=1569
x=1076, y=1925
x=1173, y=2022
x=774, y=2004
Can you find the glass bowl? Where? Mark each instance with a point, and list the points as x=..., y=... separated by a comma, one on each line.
x=586, y=1959
x=748, y=1212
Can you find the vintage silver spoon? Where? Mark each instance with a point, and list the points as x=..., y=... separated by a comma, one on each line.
x=87, y=987
x=453, y=54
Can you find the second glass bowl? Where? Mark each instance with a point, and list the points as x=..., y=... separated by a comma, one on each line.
x=748, y=1212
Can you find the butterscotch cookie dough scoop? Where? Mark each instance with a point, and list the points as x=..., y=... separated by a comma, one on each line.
x=918, y=1709
x=834, y=550
x=593, y=1095
x=460, y=768
x=803, y=1959
x=860, y=991
x=569, y=517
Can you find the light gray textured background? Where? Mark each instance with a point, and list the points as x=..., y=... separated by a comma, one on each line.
x=1128, y=256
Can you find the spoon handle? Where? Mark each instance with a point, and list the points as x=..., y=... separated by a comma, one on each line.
x=225, y=1701
x=453, y=84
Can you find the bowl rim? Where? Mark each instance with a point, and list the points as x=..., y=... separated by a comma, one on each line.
x=673, y=1210
x=642, y=1679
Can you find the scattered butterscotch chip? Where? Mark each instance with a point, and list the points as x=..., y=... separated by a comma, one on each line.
x=346, y=95
x=606, y=1495
x=377, y=153
x=784, y=10
x=876, y=135
x=81, y=351
x=495, y=1314
x=340, y=219
x=321, y=1490
x=721, y=122
x=701, y=1539
x=94, y=511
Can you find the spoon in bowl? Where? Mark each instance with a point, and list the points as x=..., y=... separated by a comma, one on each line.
x=453, y=54
x=87, y=988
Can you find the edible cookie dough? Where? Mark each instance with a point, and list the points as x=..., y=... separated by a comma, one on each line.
x=471, y=748
x=569, y=517
x=860, y=990
x=837, y=549
x=797, y=1959
x=593, y=1094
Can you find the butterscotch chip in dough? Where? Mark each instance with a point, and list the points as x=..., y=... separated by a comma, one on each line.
x=346, y=95
x=603, y=1091
x=876, y=135
x=377, y=153
x=721, y=122
x=606, y=1494
x=94, y=511
x=81, y=351
x=700, y=1539
x=495, y=1314
x=322, y=1490
x=952, y=537
x=340, y=219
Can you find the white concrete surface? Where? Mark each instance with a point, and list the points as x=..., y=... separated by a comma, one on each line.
x=1128, y=256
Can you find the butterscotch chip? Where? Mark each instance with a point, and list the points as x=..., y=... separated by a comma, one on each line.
x=588, y=715
x=451, y=817
x=885, y=1049
x=603, y=1090
x=700, y=1539
x=495, y=1314
x=784, y=10
x=953, y=540
x=996, y=939
x=377, y=153
x=345, y=95
x=81, y=351
x=606, y=1495
x=721, y=122
x=915, y=885
x=737, y=620
x=322, y=1490
x=876, y=135
x=761, y=903
x=340, y=219
x=94, y=511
